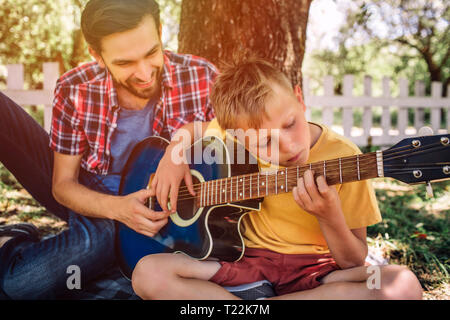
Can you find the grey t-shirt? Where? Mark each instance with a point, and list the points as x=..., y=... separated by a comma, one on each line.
x=132, y=127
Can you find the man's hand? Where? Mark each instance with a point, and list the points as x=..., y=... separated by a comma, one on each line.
x=320, y=200
x=131, y=211
x=168, y=177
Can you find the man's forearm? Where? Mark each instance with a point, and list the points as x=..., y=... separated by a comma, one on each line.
x=347, y=249
x=83, y=200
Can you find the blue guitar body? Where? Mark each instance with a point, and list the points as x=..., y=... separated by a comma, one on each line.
x=209, y=232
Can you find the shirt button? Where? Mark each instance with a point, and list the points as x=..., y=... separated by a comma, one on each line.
x=114, y=125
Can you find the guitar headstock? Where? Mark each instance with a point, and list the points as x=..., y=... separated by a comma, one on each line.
x=419, y=159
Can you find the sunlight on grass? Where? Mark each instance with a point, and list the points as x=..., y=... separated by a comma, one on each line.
x=415, y=230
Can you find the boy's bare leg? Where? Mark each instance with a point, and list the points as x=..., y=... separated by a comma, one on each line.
x=177, y=276
x=396, y=282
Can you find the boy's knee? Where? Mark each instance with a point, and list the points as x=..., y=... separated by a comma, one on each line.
x=148, y=277
x=399, y=283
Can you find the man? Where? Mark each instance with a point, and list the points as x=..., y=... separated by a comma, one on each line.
x=101, y=110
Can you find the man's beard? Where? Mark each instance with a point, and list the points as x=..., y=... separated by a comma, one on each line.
x=149, y=93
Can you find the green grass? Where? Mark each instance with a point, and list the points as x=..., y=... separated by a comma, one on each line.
x=415, y=230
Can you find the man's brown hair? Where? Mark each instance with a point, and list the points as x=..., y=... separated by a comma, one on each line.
x=101, y=18
x=241, y=90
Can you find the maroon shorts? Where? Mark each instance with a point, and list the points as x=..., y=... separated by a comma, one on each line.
x=287, y=272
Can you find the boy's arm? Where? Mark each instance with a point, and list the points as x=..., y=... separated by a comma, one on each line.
x=173, y=168
x=348, y=247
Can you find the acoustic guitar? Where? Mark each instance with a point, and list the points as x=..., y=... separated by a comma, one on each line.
x=208, y=225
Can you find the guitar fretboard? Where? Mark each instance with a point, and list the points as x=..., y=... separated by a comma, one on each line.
x=268, y=183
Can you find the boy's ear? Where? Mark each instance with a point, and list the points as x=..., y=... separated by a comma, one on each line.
x=299, y=94
x=97, y=57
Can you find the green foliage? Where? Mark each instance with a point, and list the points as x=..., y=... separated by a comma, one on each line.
x=33, y=32
x=170, y=19
x=392, y=38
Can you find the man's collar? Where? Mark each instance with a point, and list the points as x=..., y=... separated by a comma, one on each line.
x=167, y=72
x=112, y=92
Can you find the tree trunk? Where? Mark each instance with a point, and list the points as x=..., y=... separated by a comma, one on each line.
x=272, y=29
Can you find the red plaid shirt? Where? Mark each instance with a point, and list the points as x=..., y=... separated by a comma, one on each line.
x=85, y=107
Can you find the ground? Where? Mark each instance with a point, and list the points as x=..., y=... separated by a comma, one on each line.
x=415, y=230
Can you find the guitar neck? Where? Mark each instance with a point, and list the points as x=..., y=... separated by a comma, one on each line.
x=268, y=183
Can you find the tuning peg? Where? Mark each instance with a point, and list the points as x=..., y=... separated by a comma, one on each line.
x=429, y=189
x=425, y=131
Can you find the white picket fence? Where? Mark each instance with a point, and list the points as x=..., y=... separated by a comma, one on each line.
x=15, y=88
x=384, y=135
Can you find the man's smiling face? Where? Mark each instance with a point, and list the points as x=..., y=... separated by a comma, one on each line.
x=135, y=59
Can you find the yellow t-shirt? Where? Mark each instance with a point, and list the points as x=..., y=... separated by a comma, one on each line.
x=282, y=226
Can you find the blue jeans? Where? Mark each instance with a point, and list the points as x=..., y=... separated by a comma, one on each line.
x=39, y=270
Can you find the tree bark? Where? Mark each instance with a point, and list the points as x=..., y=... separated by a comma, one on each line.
x=272, y=29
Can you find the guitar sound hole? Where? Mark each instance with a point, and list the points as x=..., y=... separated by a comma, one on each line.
x=186, y=203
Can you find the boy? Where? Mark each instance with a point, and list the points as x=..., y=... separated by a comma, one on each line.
x=311, y=243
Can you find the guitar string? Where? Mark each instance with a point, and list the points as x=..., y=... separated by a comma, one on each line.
x=334, y=163
x=291, y=181
x=190, y=198
x=331, y=164
x=343, y=172
x=234, y=199
x=316, y=167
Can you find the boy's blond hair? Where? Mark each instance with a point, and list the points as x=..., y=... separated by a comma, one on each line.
x=241, y=90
